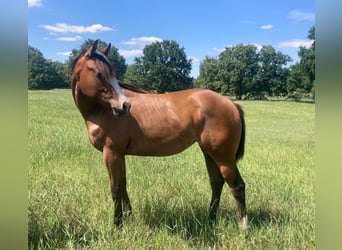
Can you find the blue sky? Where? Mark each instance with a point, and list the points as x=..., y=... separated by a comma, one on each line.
x=203, y=28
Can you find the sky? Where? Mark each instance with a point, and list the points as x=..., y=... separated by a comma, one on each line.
x=202, y=28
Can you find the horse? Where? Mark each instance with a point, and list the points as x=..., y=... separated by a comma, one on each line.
x=122, y=119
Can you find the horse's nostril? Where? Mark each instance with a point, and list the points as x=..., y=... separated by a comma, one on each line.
x=126, y=106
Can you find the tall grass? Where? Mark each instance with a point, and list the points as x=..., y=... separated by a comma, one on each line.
x=70, y=204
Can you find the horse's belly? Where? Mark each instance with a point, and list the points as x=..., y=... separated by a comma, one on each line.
x=159, y=146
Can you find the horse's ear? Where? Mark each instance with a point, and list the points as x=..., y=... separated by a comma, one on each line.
x=91, y=50
x=106, y=50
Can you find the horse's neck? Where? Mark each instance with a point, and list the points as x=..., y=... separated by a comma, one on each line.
x=86, y=107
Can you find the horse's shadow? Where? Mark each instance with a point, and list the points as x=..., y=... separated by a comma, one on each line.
x=192, y=224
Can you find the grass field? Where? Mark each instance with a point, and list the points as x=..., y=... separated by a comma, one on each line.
x=70, y=205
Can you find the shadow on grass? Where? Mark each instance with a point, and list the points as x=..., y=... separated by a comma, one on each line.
x=192, y=223
x=262, y=217
x=59, y=234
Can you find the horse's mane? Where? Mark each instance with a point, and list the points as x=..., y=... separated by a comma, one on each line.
x=132, y=87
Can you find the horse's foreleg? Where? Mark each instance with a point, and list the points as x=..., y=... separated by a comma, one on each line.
x=126, y=202
x=232, y=176
x=116, y=170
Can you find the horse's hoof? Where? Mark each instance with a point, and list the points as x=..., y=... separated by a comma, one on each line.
x=244, y=222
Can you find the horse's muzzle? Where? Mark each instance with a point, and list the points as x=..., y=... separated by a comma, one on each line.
x=126, y=106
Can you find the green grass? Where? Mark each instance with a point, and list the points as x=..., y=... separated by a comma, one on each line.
x=70, y=204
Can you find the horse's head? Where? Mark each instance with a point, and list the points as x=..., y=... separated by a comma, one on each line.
x=96, y=79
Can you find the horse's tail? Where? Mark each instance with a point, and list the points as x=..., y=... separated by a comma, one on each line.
x=241, y=148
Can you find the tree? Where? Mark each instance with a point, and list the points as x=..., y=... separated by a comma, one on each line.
x=238, y=67
x=42, y=73
x=163, y=67
x=295, y=79
x=62, y=75
x=114, y=57
x=132, y=75
x=302, y=74
x=307, y=61
x=209, y=76
x=272, y=74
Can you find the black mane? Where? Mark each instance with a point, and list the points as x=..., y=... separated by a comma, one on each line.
x=132, y=87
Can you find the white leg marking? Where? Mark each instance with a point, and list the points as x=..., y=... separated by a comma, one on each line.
x=244, y=222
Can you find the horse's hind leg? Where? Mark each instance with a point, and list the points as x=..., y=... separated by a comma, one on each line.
x=232, y=176
x=216, y=183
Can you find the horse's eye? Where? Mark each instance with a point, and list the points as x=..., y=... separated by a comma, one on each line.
x=99, y=75
x=105, y=91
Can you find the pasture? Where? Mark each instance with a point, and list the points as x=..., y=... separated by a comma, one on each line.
x=70, y=206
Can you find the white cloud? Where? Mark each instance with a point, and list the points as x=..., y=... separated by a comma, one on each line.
x=193, y=59
x=295, y=43
x=219, y=50
x=216, y=50
x=69, y=38
x=267, y=27
x=130, y=53
x=301, y=16
x=136, y=45
x=66, y=53
x=35, y=3
x=142, y=41
x=258, y=45
x=67, y=28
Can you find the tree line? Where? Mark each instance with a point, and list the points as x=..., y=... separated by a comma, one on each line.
x=243, y=71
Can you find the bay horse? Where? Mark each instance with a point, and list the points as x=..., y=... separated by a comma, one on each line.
x=122, y=119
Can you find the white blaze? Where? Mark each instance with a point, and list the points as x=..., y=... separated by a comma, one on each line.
x=121, y=96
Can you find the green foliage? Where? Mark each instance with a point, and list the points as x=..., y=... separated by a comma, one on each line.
x=242, y=70
x=245, y=71
x=302, y=74
x=238, y=67
x=209, y=76
x=164, y=67
x=70, y=206
x=44, y=74
x=62, y=74
x=272, y=74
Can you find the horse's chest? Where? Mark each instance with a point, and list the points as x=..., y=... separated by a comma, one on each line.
x=96, y=135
